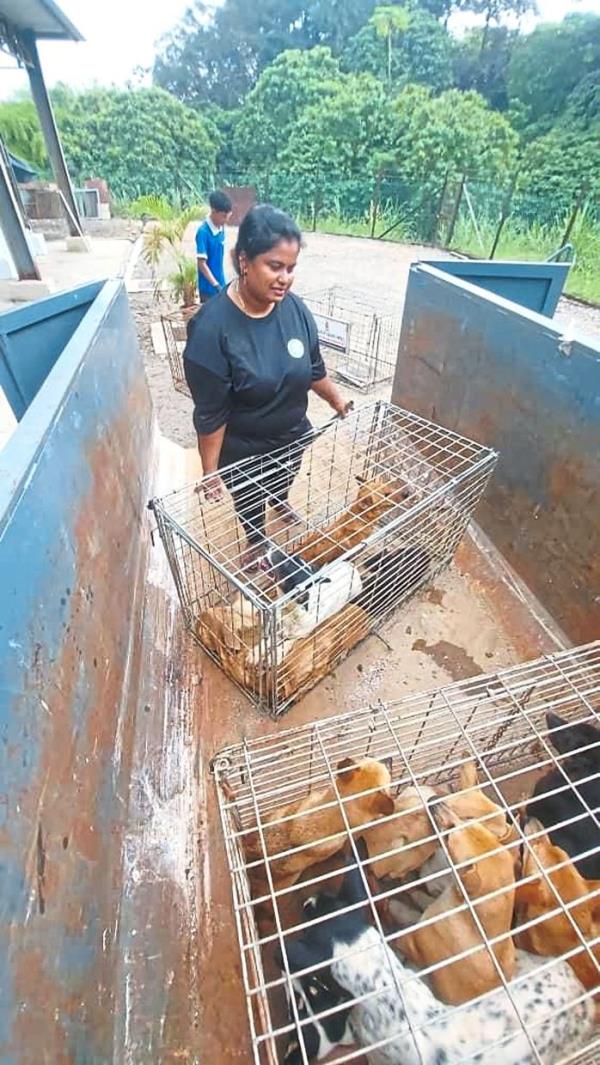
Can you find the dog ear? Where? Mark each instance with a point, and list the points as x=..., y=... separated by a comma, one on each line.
x=383, y=803
x=468, y=776
x=471, y=880
x=359, y=479
x=571, y=738
x=388, y=762
x=346, y=767
x=300, y=955
x=443, y=815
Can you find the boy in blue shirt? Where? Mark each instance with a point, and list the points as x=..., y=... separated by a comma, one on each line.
x=210, y=246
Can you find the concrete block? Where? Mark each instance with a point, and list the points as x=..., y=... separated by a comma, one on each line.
x=25, y=291
x=79, y=244
x=158, y=340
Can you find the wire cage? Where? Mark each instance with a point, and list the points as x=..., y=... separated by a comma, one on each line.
x=397, y=892
x=174, y=325
x=378, y=507
x=359, y=332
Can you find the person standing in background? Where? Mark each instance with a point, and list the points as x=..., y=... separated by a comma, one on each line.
x=210, y=247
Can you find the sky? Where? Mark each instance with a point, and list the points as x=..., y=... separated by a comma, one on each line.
x=120, y=35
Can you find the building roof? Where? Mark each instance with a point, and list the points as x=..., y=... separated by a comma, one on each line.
x=23, y=171
x=42, y=17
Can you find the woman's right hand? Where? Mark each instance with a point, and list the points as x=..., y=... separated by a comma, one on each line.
x=213, y=488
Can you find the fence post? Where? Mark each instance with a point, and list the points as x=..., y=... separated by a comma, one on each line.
x=316, y=202
x=504, y=213
x=454, y=218
x=585, y=188
x=438, y=211
x=376, y=199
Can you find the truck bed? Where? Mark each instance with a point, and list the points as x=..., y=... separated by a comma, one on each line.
x=189, y=1005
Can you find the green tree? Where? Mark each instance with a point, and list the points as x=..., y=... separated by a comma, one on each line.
x=485, y=71
x=494, y=11
x=20, y=128
x=334, y=22
x=141, y=142
x=341, y=132
x=560, y=164
x=454, y=133
x=548, y=64
x=293, y=82
x=388, y=22
x=423, y=54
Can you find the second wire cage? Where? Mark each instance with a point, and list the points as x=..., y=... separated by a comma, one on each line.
x=378, y=507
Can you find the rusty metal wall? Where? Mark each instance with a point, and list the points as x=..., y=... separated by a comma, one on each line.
x=73, y=486
x=507, y=377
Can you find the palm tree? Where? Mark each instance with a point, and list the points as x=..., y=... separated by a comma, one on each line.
x=388, y=21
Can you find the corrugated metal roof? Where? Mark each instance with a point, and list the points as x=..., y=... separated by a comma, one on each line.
x=43, y=17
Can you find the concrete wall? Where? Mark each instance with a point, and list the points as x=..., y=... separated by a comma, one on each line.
x=73, y=487
x=507, y=377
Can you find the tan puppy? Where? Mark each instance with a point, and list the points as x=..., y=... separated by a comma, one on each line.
x=411, y=832
x=409, y=835
x=469, y=803
x=354, y=524
x=485, y=872
x=310, y=827
x=556, y=935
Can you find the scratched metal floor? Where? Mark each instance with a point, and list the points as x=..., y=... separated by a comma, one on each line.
x=181, y=994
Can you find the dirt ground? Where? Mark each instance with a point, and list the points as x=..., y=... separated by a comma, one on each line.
x=369, y=267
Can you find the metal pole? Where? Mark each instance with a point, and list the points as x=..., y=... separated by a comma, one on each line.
x=454, y=218
x=376, y=198
x=48, y=124
x=13, y=228
x=578, y=205
x=440, y=207
x=505, y=213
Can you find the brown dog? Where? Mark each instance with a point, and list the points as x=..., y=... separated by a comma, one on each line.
x=314, y=834
x=555, y=935
x=406, y=841
x=486, y=872
x=354, y=524
x=411, y=834
x=470, y=803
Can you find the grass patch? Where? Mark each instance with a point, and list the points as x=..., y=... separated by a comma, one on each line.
x=537, y=243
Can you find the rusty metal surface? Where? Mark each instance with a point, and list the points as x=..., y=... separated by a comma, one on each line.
x=71, y=563
x=509, y=378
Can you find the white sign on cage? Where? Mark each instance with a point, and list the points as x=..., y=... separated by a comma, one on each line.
x=332, y=332
x=419, y=882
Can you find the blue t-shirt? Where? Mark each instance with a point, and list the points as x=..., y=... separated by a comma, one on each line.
x=210, y=245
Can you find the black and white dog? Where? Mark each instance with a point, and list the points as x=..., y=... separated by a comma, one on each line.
x=316, y=994
x=361, y=963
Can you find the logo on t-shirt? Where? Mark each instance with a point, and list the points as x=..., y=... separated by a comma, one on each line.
x=295, y=348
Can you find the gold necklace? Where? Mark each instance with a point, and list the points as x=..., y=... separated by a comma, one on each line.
x=250, y=314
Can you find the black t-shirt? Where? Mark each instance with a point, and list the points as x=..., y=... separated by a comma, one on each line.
x=252, y=374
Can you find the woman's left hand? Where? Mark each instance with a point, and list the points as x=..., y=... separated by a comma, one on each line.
x=344, y=408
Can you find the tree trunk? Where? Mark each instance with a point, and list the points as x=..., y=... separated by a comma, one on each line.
x=486, y=31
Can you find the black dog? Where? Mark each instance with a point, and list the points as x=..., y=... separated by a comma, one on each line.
x=582, y=835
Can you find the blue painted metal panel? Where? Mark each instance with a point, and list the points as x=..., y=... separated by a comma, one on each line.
x=508, y=378
x=33, y=337
x=73, y=486
x=536, y=286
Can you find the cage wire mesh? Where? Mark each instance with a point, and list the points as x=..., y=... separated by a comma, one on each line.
x=359, y=332
x=377, y=508
x=174, y=325
x=445, y=926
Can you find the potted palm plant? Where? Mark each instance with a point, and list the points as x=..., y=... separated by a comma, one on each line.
x=164, y=235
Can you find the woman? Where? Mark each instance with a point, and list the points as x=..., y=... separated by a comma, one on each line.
x=251, y=358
